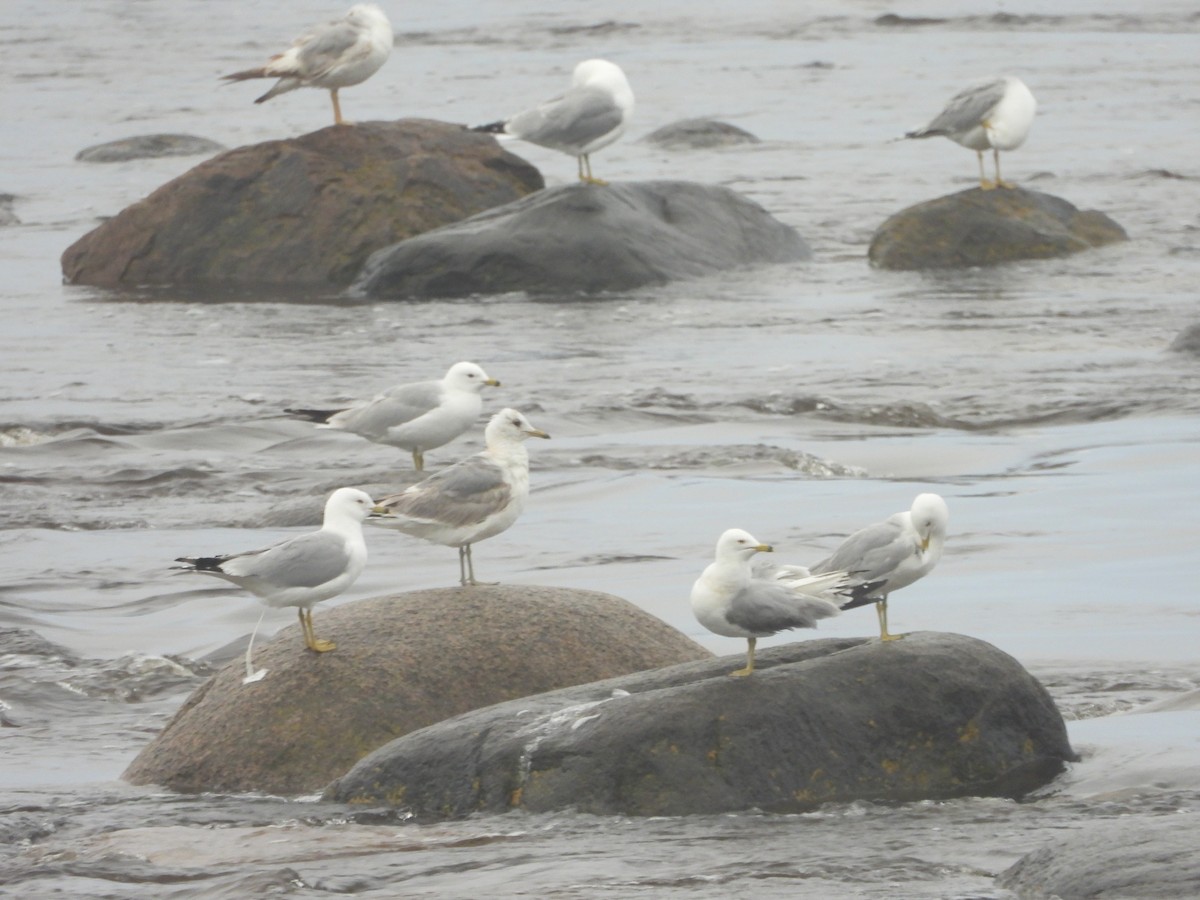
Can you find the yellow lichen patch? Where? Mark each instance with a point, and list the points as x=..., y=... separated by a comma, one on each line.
x=969, y=733
x=514, y=798
x=396, y=796
x=712, y=756
x=1028, y=747
x=890, y=766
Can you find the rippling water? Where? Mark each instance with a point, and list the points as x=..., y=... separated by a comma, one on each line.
x=796, y=401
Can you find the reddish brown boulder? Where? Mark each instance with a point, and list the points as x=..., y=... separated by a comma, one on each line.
x=302, y=211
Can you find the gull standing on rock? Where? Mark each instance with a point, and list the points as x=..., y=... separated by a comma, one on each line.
x=592, y=114
x=302, y=570
x=731, y=600
x=333, y=55
x=471, y=500
x=415, y=417
x=995, y=114
x=889, y=555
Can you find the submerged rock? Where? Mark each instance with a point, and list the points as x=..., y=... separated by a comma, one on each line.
x=982, y=228
x=1121, y=858
x=148, y=146
x=1187, y=341
x=699, y=134
x=303, y=211
x=585, y=238
x=402, y=662
x=931, y=716
x=7, y=216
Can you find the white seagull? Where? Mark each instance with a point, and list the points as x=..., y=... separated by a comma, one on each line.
x=592, y=114
x=416, y=417
x=333, y=55
x=892, y=554
x=731, y=600
x=471, y=500
x=995, y=114
x=303, y=570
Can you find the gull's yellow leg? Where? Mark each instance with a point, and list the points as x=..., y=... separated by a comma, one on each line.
x=418, y=460
x=337, y=108
x=881, y=612
x=589, y=178
x=742, y=673
x=1000, y=182
x=314, y=643
x=984, y=184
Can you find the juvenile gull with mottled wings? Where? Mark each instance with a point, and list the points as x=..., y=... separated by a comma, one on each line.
x=416, y=417
x=891, y=554
x=332, y=55
x=996, y=114
x=303, y=570
x=730, y=600
x=471, y=500
x=592, y=114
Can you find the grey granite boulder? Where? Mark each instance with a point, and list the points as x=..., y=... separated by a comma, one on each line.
x=931, y=716
x=306, y=211
x=148, y=146
x=402, y=662
x=699, y=134
x=585, y=238
x=982, y=228
x=1121, y=859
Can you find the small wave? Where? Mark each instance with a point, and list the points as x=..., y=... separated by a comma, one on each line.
x=724, y=456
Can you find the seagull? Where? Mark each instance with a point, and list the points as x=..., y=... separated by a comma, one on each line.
x=731, y=600
x=333, y=55
x=303, y=570
x=892, y=554
x=592, y=114
x=994, y=114
x=415, y=417
x=471, y=500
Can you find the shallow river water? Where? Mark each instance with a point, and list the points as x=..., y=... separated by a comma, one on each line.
x=799, y=402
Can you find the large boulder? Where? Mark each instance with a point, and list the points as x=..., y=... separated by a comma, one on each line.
x=585, y=238
x=303, y=211
x=402, y=662
x=699, y=134
x=932, y=716
x=982, y=228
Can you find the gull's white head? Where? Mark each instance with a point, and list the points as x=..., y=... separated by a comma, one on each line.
x=930, y=515
x=600, y=73
x=736, y=544
x=348, y=503
x=368, y=14
x=509, y=426
x=467, y=376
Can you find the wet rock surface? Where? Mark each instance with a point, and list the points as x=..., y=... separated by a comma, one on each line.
x=585, y=238
x=932, y=716
x=303, y=211
x=402, y=662
x=148, y=146
x=982, y=228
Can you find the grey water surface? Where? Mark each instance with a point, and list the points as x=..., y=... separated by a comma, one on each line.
x=799, y=402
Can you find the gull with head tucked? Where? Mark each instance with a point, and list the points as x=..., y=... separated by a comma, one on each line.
x=995, y=114
x=731, y=600
x=591, y=115
x=332, y=55
x=471, y=500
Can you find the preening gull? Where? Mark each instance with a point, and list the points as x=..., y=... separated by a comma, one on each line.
x=590, y=115
x=892, y=554
x=303, y=570
x=995, y=114
x=333, y=55
x=731, y=600
x=415, y=417
x=471, y=500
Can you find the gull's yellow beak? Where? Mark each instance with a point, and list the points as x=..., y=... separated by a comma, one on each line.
x=765, y=548
x=925, y=542
x=493, y=382
x=380, y=511
x=537, y=432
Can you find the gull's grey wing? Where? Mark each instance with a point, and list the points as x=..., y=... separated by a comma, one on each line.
x=393, y=407
x=965, y=110
x=466, y=493
x=765, y=607
x=308, y=560
x=577, y=118
x=871, y=554
x=325, y=47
